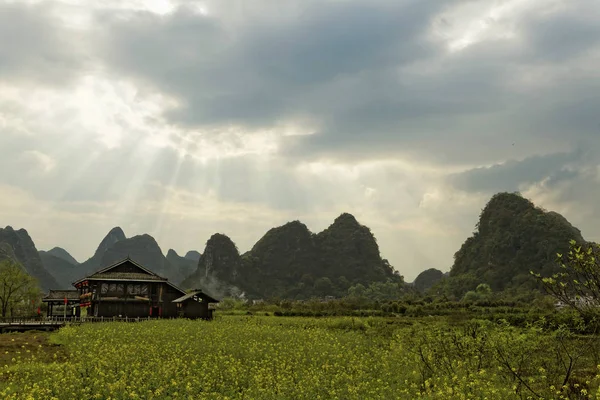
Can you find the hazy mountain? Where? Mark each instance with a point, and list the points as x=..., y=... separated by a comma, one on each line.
x=185, y=265
x=95, y=262
x=193, y=255
x=62, y=253
x=64, y=271
x=427, y=279
x=144, y=250
x=219, y=269
x=19, y=245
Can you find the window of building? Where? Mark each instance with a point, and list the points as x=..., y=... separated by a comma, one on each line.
x=104, y=288
x=112, y=287
x=145, y=289
x=120, y=288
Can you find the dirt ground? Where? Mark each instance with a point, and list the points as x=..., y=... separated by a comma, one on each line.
x=27, y=345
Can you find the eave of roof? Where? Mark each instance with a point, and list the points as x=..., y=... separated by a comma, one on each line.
x=204, y=296
x=103, y=270
x=126, y=275
x=59, y=295
x=124, y=280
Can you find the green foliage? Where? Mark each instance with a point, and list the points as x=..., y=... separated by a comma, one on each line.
x=512, y=238
x=471, y=296
x=577, y=283
x=378, y=291
x=17, y=290
x=231, y=303
x=483, y=289
x=471, y=359
x=16, y=245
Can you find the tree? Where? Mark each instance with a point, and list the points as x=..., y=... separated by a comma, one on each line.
x=17, y=287
x=471, y=296
x=483, y=289
x=577, y=284
x=323, y=286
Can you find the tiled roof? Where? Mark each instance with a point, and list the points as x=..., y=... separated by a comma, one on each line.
x=105, y=272
x=61, y=294
x=135, y=276
x=200, y=294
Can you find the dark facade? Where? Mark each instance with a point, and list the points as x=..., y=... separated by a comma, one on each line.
x=126, y=289
x=195, y=305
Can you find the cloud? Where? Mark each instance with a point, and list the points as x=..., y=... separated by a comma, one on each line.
x=36, y=48
x=180, y=119
x=42, y=161
x=512, y=175
x=259, y=72
x=368, y=81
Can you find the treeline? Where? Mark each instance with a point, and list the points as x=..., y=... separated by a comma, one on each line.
x=541, y=312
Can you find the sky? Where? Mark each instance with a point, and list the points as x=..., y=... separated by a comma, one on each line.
x=182, y=118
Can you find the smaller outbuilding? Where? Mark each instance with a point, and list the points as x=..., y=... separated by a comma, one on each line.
x=58, y=300
x=195, y=305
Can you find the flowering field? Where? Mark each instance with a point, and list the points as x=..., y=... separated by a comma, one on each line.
x=297, y=358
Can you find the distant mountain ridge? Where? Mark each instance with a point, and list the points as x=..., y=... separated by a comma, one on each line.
x=427, y=279
x=114, y=247
x=219, y=269
x=17, y=245
x=512, y=237
x=114, y=236
x=62, y=270
x=291, y=262
x=63, y=254
x=288, y=261
x=192, y=255
x=185, y=266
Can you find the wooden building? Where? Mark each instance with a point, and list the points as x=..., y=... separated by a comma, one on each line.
x=62, y=303
x=127, y=289
x=195, y=305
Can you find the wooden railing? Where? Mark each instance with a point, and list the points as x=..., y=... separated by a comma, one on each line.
x=54, y=320
x=59, y=320
x=101, y=319
x=24, y=319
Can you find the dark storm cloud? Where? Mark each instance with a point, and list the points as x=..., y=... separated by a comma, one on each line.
x=511, y=175
x=260, y=73
x=565, y=35
x=363, y=73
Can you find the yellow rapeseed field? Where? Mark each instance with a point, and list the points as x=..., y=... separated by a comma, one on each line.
x=245, y=358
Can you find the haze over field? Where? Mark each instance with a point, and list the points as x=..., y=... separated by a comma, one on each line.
x=184, y=118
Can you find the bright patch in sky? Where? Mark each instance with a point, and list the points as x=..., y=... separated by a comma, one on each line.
x=478, y=21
